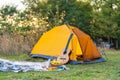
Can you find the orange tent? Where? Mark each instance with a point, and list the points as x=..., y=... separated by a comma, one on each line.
x=52, y=43
x=89, y=50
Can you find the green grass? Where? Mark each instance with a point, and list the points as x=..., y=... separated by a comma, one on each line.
x=109, y=70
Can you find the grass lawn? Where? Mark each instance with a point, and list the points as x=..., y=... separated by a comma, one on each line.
x=109, y=70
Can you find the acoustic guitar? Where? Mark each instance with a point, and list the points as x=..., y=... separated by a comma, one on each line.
x=64, y=56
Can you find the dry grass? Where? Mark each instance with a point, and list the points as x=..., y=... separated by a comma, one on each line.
x=16, y=44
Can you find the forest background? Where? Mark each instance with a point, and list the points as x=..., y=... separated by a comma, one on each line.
x=20, y=30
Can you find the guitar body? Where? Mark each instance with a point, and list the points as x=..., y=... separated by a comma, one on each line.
x=64, y=56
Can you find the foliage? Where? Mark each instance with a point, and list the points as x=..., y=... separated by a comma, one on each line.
x=105, y=14
x=8, y=10
x=19, y=22
x=57, y=12
x=21, y=28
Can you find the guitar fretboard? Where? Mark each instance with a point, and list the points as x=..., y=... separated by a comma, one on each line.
x=71, y=35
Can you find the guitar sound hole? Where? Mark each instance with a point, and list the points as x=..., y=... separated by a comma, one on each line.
x=64, y=52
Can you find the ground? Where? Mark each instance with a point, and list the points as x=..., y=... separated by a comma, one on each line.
x=109, y=70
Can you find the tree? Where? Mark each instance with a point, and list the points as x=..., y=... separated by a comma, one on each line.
x=8, y=10
x=57, y=12
x=106, y=19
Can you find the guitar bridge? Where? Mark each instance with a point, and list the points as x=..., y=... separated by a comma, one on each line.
x=63, y=58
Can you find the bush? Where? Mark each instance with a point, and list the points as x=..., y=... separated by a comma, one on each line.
x=19, y=32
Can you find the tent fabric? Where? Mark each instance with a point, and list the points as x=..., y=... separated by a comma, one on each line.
x=52, y=43
x=89, y=50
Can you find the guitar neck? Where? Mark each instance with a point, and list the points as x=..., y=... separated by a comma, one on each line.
x=68, y=43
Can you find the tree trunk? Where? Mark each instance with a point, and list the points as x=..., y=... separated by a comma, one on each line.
x=108, y=40
x=117, y=44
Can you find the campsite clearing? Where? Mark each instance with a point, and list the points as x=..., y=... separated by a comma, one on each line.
x=109, y=70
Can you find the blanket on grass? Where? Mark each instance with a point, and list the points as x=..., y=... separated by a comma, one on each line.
x=23, y=66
